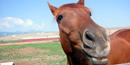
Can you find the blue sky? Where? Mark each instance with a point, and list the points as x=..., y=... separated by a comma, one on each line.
x=34, y=15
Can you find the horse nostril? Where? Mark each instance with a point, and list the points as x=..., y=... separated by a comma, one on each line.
x=88, y=40
x=89, y=36
x=85, y=46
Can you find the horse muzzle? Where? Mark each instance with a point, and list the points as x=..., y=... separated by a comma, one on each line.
x=97, y=60
x=96, y=47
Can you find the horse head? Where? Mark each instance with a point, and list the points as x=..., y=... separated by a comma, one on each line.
x=83, y=41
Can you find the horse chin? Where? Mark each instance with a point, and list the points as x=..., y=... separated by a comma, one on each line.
x=96, y=60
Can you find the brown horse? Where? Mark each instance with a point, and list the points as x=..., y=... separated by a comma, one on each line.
x=120, y=47
x=83, y=41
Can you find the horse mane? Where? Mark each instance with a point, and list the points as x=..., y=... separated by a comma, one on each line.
x=71, y=5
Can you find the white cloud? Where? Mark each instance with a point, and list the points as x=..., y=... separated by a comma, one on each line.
x=11, y=24
x=13, y=20
x=29, y=22
x=4, y=25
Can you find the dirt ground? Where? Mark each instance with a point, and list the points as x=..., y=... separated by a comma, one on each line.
x=32, y=42
x=21, y=36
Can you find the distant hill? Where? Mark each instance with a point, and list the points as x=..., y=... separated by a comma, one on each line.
x=3, y=34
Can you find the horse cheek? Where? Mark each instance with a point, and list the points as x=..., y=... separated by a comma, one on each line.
x=65, y=44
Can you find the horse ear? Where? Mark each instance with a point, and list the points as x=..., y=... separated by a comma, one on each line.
x=81, y=2
x=52, y=8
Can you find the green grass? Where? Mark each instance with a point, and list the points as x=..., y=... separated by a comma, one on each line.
x=0, y=41
x=53, y=47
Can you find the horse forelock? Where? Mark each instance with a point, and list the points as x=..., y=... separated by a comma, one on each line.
x=71, y=5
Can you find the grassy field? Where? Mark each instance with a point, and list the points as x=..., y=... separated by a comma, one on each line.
x=33, y=54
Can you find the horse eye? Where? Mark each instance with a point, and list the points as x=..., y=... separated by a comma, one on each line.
x=59, y=18
x=90, y=14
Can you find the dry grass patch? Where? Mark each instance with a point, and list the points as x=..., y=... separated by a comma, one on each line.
x=40, y=60
x=25, y=61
